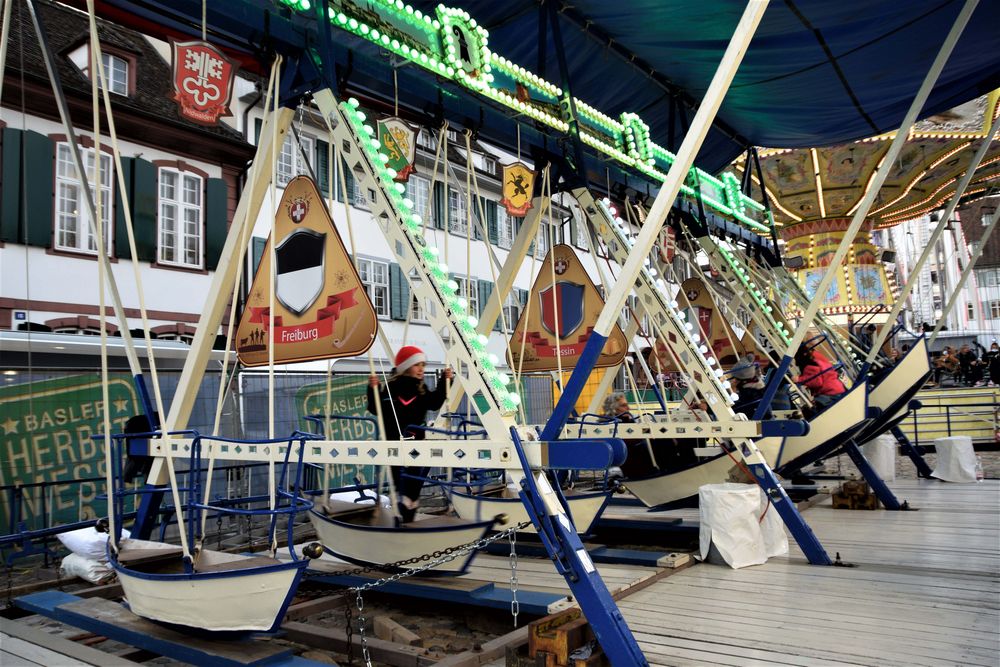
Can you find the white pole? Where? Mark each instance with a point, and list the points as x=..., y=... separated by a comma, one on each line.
x=682, y=164
x=888, y=163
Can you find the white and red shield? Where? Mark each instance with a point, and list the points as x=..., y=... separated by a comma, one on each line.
x=298, y=210
x=203, y=81
x=668, y=244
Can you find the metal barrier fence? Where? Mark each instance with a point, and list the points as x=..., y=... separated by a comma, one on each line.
x=978, y=420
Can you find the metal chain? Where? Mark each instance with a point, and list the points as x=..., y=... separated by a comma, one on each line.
x=438, y=558
x=218, y=532
x=350, y=633
x=515, y=606
x=361, y=630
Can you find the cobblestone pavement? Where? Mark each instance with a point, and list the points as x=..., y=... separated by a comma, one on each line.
x=906, y=470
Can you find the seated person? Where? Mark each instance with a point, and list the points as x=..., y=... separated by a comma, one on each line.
x=819, y=376
x=749, y=387
x=668, y=452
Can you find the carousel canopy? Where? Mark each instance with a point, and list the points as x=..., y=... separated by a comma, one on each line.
x=816, y=73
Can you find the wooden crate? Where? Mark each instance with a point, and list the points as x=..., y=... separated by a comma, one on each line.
x=557, y=636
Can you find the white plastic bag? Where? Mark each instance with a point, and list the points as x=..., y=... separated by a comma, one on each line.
x=729, y=520
x=772, y=529
x=86, y=542
x=90, y=569
x=881, y=454
x=956, y=459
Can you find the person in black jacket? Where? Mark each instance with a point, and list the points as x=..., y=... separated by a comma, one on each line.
x=405, y=402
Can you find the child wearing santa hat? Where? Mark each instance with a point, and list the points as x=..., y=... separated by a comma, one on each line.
x=406, y=400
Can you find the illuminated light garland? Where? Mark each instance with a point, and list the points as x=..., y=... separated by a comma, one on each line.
x=445, y=285
x=435, y=49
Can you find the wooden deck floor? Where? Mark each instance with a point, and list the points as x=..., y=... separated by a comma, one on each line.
x=926, y=592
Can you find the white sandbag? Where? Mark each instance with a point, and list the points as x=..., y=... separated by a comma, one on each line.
x=90, y=569
x=772, y=529
x=87, y=542
x=729, y=516
x=956, y=459
x=881, y=454
x=353, y=497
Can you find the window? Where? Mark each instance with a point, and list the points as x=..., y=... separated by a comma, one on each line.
x=470, y=291
x=506, y=228
x=991, y=277
x=290, y=160
x=416, y=307
x=180, y=219
x=418, y=191
x=995, y=310
x=511, y=310
x=361, y=196
x=970, y=309
x=375, y=277
x=73, y=228
x=116, y=73
x=542, y=245
x=427, y=139
x=457, y=214
x=582, y=238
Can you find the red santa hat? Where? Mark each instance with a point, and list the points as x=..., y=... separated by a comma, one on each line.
x=409, y=355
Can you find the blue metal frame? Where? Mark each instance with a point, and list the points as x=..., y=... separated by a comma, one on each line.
x=885, y=495
x=571, y=560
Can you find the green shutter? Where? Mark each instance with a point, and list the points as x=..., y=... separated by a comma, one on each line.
x=216, y=220
x=485, y=289
x=257, y=250
x=399, y=293
x=39, y=152
x=440, y=206
x=322, y=163
x=479, y=210
x=121, y=224
x=491, y=221
x=10, y=185
x=349, y=181
x=144, y=208
x=522, y=296
x=257, y=123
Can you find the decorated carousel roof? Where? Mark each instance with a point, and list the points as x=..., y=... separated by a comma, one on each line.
x=807, y=184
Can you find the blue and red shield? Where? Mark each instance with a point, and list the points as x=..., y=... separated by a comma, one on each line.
x=567, y=297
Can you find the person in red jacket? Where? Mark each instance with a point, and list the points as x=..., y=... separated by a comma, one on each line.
x=819, y=376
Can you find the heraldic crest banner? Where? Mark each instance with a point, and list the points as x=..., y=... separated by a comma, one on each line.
x=560, y=316
x=321, y=309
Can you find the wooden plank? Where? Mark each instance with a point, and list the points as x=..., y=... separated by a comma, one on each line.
x=380, y=650
x=15, y=630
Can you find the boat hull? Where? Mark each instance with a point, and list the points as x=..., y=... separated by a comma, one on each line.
x=377, y=545
x=585, y=508
x=829, y=430
x=892, y=395
x=251, y=599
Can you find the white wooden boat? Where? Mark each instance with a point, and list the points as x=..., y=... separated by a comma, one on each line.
x=368, y=535
x=893, y=393
x=827, y=431
x=226, y=592
x=585, y=508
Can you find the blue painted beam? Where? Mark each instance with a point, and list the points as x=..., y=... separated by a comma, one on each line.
x=488, y=595
x=178, y=643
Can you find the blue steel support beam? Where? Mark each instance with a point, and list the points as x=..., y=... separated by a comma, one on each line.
x=915, y=452
x=879, y=487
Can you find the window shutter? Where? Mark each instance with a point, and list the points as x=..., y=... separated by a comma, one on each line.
x=121, y=224
x=144, y=208
x=491, y=221
x=257, y=254
x=10, y=185
x=485, y=289
x=399, y=293
x=440, y=206
x=348, y=181
x=572, y=230
x=322, y=163
x=522, y=295
x=216, y=220
x=479, y=208
x=257, y=123
x=37, y=211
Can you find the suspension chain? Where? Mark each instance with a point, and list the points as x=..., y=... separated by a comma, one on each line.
x=361, y=630
x=350, y=633
x=515, y=606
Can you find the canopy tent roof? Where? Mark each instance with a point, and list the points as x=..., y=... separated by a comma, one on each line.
x=816, y=73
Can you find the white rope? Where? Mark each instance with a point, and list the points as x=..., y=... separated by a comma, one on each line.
x=272, y=279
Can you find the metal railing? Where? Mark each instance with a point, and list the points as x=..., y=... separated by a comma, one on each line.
x=978, y=420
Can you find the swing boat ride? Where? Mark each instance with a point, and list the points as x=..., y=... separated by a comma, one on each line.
x=716, y=219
